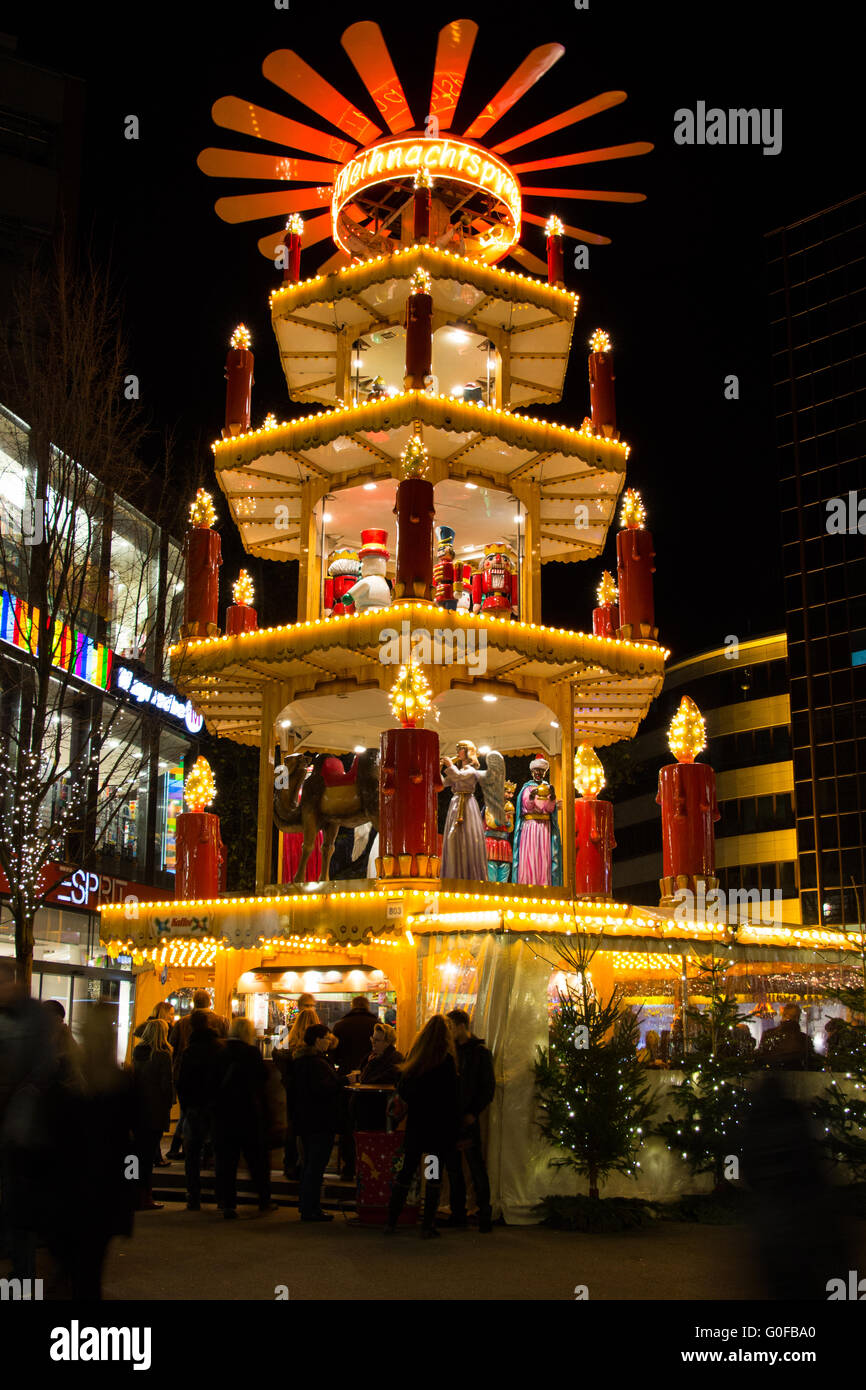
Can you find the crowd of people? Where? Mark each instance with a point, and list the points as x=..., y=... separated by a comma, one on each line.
x=80, y=1136
x=785, y=1047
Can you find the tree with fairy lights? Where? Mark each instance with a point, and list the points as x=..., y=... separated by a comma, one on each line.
x=592, y=1089
x=79, y=571
x=712, y=1101
x=841, y=1110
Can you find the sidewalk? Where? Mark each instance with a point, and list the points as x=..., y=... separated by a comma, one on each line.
x=176, y=1254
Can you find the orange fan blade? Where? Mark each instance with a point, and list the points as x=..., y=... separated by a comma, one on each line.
x=234, y=114
x=368, y=51
x=530, y=70
x=314, y=231
x=577, y=232
x=248, y=207
x=592, y=195
x=528, y=261
x=289, y=71
x=561, y=161
x=455, y=45
x=570, y=117
x=237, y=164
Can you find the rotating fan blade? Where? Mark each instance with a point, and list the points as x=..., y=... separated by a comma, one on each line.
x=234, y=114
x=368, y=51
x=528, y=261
x=237, y=164
x=562, y=161
x=249, y=207
x=453, y=51
x=289, y=71
x=531, y=69
x=335, y=262
x=570, y=117
x=577, y=232
x=592, y=195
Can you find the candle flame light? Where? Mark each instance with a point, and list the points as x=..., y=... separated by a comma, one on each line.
x=588, y=772
x=607, y=592
x=410, y=695
x=553, y=226
x=295, y=224
x=242, y=589
x=420, y=281
x=202, y=511
x=414, y=459
x=687, y=736
x=423, y=179
x=633, y=514
x=199, y=789
x=241, y=337
x=600, y=341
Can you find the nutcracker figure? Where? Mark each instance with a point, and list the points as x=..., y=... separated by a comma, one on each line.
x=344, y=571
x=498, y=835
x=444, y=569
x=495, y=585
x=463, y=576
x=372, y=591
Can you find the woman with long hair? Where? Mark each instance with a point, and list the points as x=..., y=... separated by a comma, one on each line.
x=428, y=1088
x=151, y=1067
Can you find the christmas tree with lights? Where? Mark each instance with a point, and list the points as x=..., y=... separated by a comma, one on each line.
x=712, y=1101
x=592, y=1088
x=841, y=1110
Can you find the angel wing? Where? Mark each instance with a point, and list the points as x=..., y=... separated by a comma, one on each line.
x=492, y=782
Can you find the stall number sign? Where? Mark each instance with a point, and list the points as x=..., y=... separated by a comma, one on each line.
x=393, y=910
x=182, y=710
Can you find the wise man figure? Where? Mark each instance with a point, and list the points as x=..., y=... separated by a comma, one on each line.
x=464, y=847
x=537, y=851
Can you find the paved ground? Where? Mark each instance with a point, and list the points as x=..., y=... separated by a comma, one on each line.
x=176, y=1254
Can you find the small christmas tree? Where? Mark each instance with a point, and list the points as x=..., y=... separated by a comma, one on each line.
x=712, y=1102
x=592, y=1088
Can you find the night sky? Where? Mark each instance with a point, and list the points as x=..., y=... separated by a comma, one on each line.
x=681, y=289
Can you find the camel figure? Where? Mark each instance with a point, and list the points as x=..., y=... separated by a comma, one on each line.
x=329, y=799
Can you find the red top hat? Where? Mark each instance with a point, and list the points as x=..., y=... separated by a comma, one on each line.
x=374, y=543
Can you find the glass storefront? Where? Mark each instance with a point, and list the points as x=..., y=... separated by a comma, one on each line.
x=133, y=585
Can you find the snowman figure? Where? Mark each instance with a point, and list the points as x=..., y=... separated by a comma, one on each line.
x=372, y=590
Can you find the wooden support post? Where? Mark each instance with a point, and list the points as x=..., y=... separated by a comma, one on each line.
x=264, y=832
x=564, y=697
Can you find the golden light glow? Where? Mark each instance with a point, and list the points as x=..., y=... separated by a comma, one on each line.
x=588, y=771
x=423, y=179
x=202, y=511
x=420, y=281
x=199, y=789
x=242, y=589
x=600, y=341
x=633, y=513
x=553, y=226
x=414, y=460
x=607, y=592
x=410, y=696
x=295, y=224
x=241, y=337
x=687, y=736
x=270, y=422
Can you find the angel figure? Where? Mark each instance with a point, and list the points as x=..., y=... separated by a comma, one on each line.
x=464, y=842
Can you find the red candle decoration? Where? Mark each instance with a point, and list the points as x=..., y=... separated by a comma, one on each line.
x=292, y=243
x=635, y=569
x=687, y=796
x=408, y=786
x=414, y=511
x=200, y=850
x=423, y=202
x=602, y=400
x=555, y=260
x=605, y=618
x=241, y=616
x=203, y=557
x=593, y=827
x=419, y=332
x=239, y=383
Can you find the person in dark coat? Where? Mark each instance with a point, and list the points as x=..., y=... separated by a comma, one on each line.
x=178, y=1038
x=353, y=1033
x=283, y=1058
x=241, y=1118
x=382, y=1068
x=154, y=1093
x=428, y=1088
x=477, y=1087
x=786, y=1048
x=196, y=1092
x=318, y=1094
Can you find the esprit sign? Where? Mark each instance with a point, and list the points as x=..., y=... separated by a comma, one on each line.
x=87, y=889
x=459, y=160
x=163, y=700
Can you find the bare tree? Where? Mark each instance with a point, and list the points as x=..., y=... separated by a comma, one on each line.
x=71, y=480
